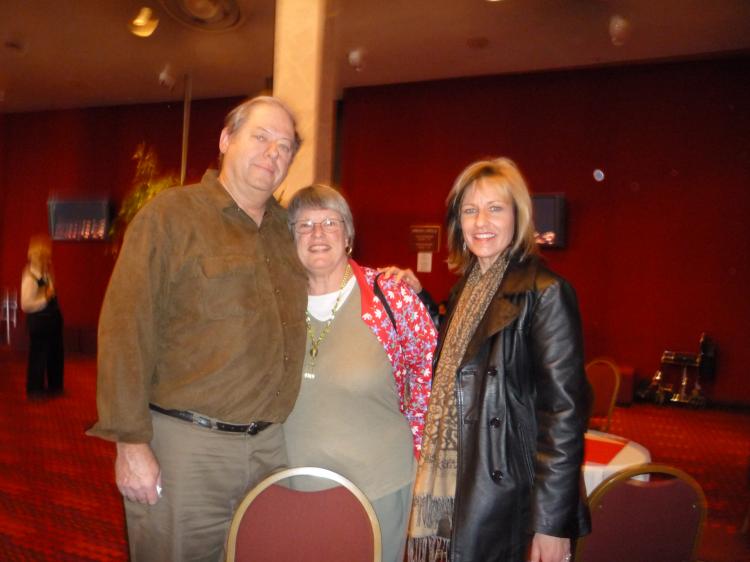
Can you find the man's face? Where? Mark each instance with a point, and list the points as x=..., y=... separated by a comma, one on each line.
x=258, y=154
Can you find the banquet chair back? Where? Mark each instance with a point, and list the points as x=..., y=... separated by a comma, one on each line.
x=635, y=520
x=604, y=377
x=307, y=513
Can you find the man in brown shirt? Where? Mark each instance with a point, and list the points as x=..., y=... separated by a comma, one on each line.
x=201, y=338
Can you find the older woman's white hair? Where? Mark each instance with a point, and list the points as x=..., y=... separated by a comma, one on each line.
x=318, y=196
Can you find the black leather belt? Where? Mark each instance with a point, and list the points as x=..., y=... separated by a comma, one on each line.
x=252, y=428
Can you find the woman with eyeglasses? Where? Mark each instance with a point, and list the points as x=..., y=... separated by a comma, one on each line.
x=367, y=370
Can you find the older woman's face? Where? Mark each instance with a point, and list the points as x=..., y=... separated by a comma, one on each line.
x=323, y=249
x=487, y=221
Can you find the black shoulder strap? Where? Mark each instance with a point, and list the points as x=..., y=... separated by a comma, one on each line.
x=381, y=296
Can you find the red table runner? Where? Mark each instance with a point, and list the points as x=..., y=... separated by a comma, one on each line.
x=601, y=451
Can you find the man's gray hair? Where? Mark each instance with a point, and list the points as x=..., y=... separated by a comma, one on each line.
x=235, y=118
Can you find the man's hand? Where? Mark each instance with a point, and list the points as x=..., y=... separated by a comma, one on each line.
x=405, y=275
x=137, y=473
x=545, y=548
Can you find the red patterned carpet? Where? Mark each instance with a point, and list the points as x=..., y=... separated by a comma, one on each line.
x=58, y=500
x=713, y=446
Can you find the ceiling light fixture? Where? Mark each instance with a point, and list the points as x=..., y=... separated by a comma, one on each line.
x=144, y=24
x=207, y=15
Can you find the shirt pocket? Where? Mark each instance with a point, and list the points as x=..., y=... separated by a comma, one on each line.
x=229, y=286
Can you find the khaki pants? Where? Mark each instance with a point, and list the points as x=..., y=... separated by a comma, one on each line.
x=205, y=474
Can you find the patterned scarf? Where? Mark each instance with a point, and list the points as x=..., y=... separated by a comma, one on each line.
x=435, y=488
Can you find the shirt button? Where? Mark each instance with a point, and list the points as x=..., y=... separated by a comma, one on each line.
x=277, y=290
x=286, y=357
x=492, y=371
x=495, y=422
x=496, y=475
x=278, y=393
x=268, y=260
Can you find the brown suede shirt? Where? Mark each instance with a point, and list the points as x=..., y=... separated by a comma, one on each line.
x=205, y=311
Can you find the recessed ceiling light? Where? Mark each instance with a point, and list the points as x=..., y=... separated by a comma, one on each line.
x=207, y=15
x=202, y=9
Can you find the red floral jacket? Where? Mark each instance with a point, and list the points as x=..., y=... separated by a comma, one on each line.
x=410, y=348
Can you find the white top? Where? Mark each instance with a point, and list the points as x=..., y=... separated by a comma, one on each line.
x=321, y=306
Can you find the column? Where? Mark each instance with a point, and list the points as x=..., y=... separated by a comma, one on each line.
x=303, y=78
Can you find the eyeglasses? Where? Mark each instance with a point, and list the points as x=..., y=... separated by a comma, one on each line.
x=307, y=226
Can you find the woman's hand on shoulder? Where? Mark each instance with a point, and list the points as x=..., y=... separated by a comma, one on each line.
x=405, y=275
x=545, y=548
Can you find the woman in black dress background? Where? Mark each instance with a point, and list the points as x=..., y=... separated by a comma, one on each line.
x=44, y=321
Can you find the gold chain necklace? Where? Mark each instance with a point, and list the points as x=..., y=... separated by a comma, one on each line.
x=315, y=342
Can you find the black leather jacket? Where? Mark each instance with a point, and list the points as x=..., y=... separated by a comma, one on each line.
x=523, y=402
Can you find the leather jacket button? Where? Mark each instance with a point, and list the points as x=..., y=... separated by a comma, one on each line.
x=492, y=371
x=496, y=475
x=495, y=422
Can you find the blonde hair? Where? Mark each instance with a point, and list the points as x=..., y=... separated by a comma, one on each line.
x=39, y=245
x=503, y=173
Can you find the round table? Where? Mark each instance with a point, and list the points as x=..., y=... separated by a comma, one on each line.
x=606, y=454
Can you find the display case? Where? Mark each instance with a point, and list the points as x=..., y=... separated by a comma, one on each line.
x=79, y=219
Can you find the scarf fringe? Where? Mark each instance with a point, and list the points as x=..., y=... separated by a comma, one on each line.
x=431, y=510
x=427, y=549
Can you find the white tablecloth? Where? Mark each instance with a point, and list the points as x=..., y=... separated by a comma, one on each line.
x=631, y=454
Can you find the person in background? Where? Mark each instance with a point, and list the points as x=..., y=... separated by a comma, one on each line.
x=201, y=338
x=409, y=277
x=442, y=311
x=499, y=478
x=367, y=369
x=44, y=321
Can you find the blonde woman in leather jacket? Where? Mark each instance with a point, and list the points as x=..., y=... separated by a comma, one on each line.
x=499, y=478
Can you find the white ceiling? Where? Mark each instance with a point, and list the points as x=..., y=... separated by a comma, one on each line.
x=79, y=53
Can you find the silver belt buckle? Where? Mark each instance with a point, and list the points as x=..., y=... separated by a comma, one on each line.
x=203, y=421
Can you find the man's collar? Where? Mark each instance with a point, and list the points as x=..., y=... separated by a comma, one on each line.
x=218, y=193
x=225, y=201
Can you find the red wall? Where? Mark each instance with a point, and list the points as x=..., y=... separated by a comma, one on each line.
x=2, y=184
x=87, y=153
x=658, y=252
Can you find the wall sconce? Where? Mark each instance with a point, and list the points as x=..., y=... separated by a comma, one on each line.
x=619, y=30
x=144, y=24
